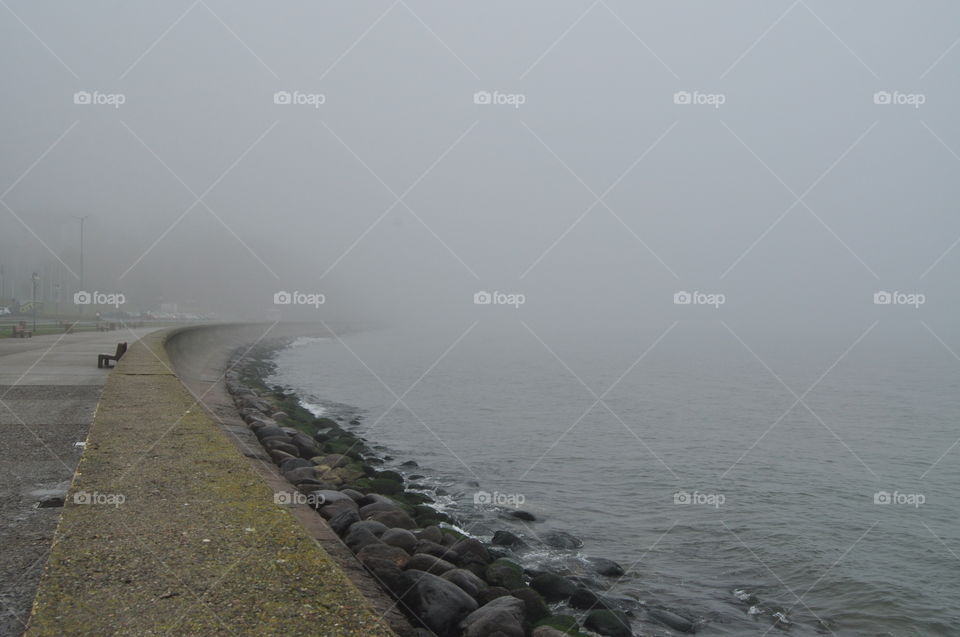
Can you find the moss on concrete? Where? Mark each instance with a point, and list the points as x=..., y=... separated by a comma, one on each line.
x=197, y=545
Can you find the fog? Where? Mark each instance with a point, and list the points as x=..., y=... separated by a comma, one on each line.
x=588, y=186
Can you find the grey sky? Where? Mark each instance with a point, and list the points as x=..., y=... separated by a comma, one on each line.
x=495, y=192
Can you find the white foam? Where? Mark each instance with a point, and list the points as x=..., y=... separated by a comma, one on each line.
x=314, y=408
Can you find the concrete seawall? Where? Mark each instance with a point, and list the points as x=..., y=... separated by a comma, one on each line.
x=170, y=529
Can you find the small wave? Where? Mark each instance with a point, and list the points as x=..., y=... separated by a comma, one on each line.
x=316, y=409
x=301, y=341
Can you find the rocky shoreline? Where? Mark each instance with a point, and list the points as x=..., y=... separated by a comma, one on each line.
x=447, y=583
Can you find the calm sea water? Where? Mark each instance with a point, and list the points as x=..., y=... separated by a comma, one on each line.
x=699, y=470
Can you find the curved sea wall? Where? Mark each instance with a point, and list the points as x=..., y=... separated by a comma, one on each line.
x=452, y=584
x=169, y=529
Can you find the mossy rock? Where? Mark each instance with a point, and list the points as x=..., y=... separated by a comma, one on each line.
x=362, y=485
x=453, y=532
x=414, y=499
x=564, y=623
x=390, y=475
x=424, y=511
x=323, y=423
x=504, y=573
x=385, y=487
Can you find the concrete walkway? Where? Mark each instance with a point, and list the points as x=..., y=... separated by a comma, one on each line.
x=168, y=530
x=49, y=388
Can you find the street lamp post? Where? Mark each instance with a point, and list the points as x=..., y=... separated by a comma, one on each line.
x=36, y=279
x=81, y=220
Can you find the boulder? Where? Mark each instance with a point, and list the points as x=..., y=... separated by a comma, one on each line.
x=278, y=456
x=606, y=567
x=329, y=511
x=269, y=432
x=535, y=608
x=554, y=588
x=353, y=495
x=293, y=463
x=504, y=573
x=309, y=486
x=490, y=593
x=438, y=604
x=429, y=564
x=506, y=538
x=401, y=538
x=366, y=510
x=547, y=631
x=471, y=550
x=566, y=624
x=585, y=599
x=326, y=498
x=671, y=620
x=300, y=473
x=308, y=448
x=279, y=445
x=502, y=617
x=520, y=514
x=334, y=460
x=469, y=582
x=377, y=528
x=397, y=519
x=431, y=533
x=561, y=540
x=341, y=522
x=610, y=623
x=437, y=550
x=370, y=498
x=358, y=538
x=396, y=556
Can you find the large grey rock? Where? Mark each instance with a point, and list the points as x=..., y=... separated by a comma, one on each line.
x=535, y=608
x=341, y=522
x=561, y=540
x=373, y=551
x=610, y=623
x=357, y=538
x=437, y=550
x=672, y=620
x=429, y=564
x=606, y=567
x=394, y=519
x=401, y=538
x=438, y=604
x=504, y=573
x=554, y=588
x=471, y=550
x=502, y=617
x=469, y=582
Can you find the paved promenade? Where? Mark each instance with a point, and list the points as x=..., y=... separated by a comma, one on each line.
x=179, y=534
x=49, y=388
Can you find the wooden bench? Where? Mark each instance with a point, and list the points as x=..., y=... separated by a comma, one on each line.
x=20, y=330
x=103, y=360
